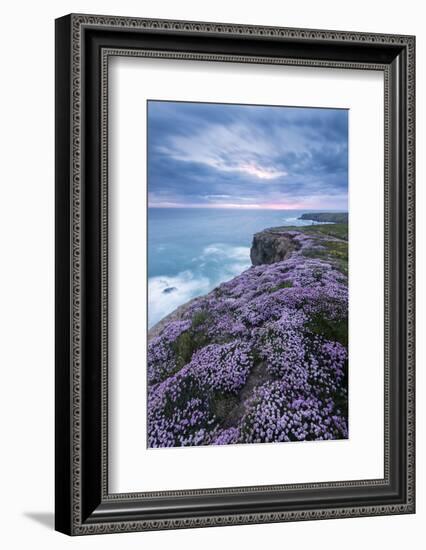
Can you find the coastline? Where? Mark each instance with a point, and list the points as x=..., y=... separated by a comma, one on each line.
x=332, y=232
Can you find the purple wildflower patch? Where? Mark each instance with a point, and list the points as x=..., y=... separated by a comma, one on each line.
x=270, y=345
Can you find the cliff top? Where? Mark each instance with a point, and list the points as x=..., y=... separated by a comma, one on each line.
x=325, y=242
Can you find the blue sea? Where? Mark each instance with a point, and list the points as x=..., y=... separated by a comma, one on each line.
x=191, y=251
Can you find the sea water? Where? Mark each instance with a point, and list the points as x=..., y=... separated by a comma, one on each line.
x=191, y=251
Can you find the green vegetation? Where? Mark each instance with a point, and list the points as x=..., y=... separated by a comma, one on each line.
x=190, y=341
x=335, y=217
x=284, y=284
x=199, y=318
x=337, y=230
x=333, y=330
x=335, y=251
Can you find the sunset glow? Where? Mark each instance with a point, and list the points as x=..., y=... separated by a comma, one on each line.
x=203, y=155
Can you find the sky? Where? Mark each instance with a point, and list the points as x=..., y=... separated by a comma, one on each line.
x=213, y=155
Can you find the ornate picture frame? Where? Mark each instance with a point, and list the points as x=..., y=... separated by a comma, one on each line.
x=84, y=45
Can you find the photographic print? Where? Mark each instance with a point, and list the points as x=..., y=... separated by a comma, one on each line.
x=247, y=274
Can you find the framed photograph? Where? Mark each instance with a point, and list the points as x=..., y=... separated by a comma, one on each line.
x=234, y=274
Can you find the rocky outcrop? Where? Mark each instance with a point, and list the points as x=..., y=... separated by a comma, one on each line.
x=271, y=246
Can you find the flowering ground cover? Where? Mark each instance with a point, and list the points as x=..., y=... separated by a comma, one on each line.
x=262, y=358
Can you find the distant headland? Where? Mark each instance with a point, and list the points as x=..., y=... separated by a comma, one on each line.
x=326, y=217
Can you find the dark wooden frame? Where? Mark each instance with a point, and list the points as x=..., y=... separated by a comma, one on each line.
x=83, y=46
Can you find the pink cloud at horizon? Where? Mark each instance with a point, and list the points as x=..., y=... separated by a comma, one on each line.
x=232, y=206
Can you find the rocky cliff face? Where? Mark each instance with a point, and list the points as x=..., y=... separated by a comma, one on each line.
x=271, y=246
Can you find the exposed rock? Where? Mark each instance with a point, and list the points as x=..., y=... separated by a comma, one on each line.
x=169, y=289
x=271, y=246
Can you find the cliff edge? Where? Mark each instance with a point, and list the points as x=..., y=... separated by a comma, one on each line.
x=271, y=246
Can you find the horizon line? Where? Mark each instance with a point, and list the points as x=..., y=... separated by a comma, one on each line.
x=244, y=207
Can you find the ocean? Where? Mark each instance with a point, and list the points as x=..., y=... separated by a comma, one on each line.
x=191, y=251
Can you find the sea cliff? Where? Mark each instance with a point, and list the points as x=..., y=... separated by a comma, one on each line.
x=271, y=246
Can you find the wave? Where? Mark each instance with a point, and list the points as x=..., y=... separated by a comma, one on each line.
x=232, y=259
x=217, y=263
x=165, y=294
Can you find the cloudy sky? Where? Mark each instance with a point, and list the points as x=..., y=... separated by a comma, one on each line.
x=243, y=156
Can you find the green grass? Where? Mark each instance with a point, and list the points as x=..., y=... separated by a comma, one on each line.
x=190, y=341
x=335, y=331
x=186, y=344
x=284, y=284
x=336, y=251
x=337, y=230
x=199, y=318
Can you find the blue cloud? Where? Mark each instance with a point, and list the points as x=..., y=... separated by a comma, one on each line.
x=202, y=154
